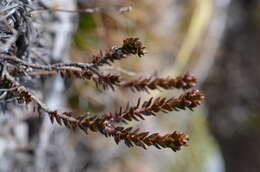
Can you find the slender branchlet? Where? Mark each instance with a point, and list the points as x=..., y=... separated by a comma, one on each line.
x=188, y=100
x=86, y=10
x=109, y=124
x=131, y=46
x=152, y=83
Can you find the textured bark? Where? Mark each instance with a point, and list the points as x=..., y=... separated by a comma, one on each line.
x=32, y=143
x=232, y=90
x=27, y=143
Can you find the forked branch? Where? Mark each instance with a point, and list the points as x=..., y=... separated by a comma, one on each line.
x=109, y=124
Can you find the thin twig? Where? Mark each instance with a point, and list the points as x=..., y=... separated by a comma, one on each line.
x=9, y=89
x=87, y=10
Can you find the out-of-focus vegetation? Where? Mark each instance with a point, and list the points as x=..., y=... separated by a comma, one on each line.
x=216, y=40
x=174, y=33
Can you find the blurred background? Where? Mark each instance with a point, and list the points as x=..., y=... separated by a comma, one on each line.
x=216, y=40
